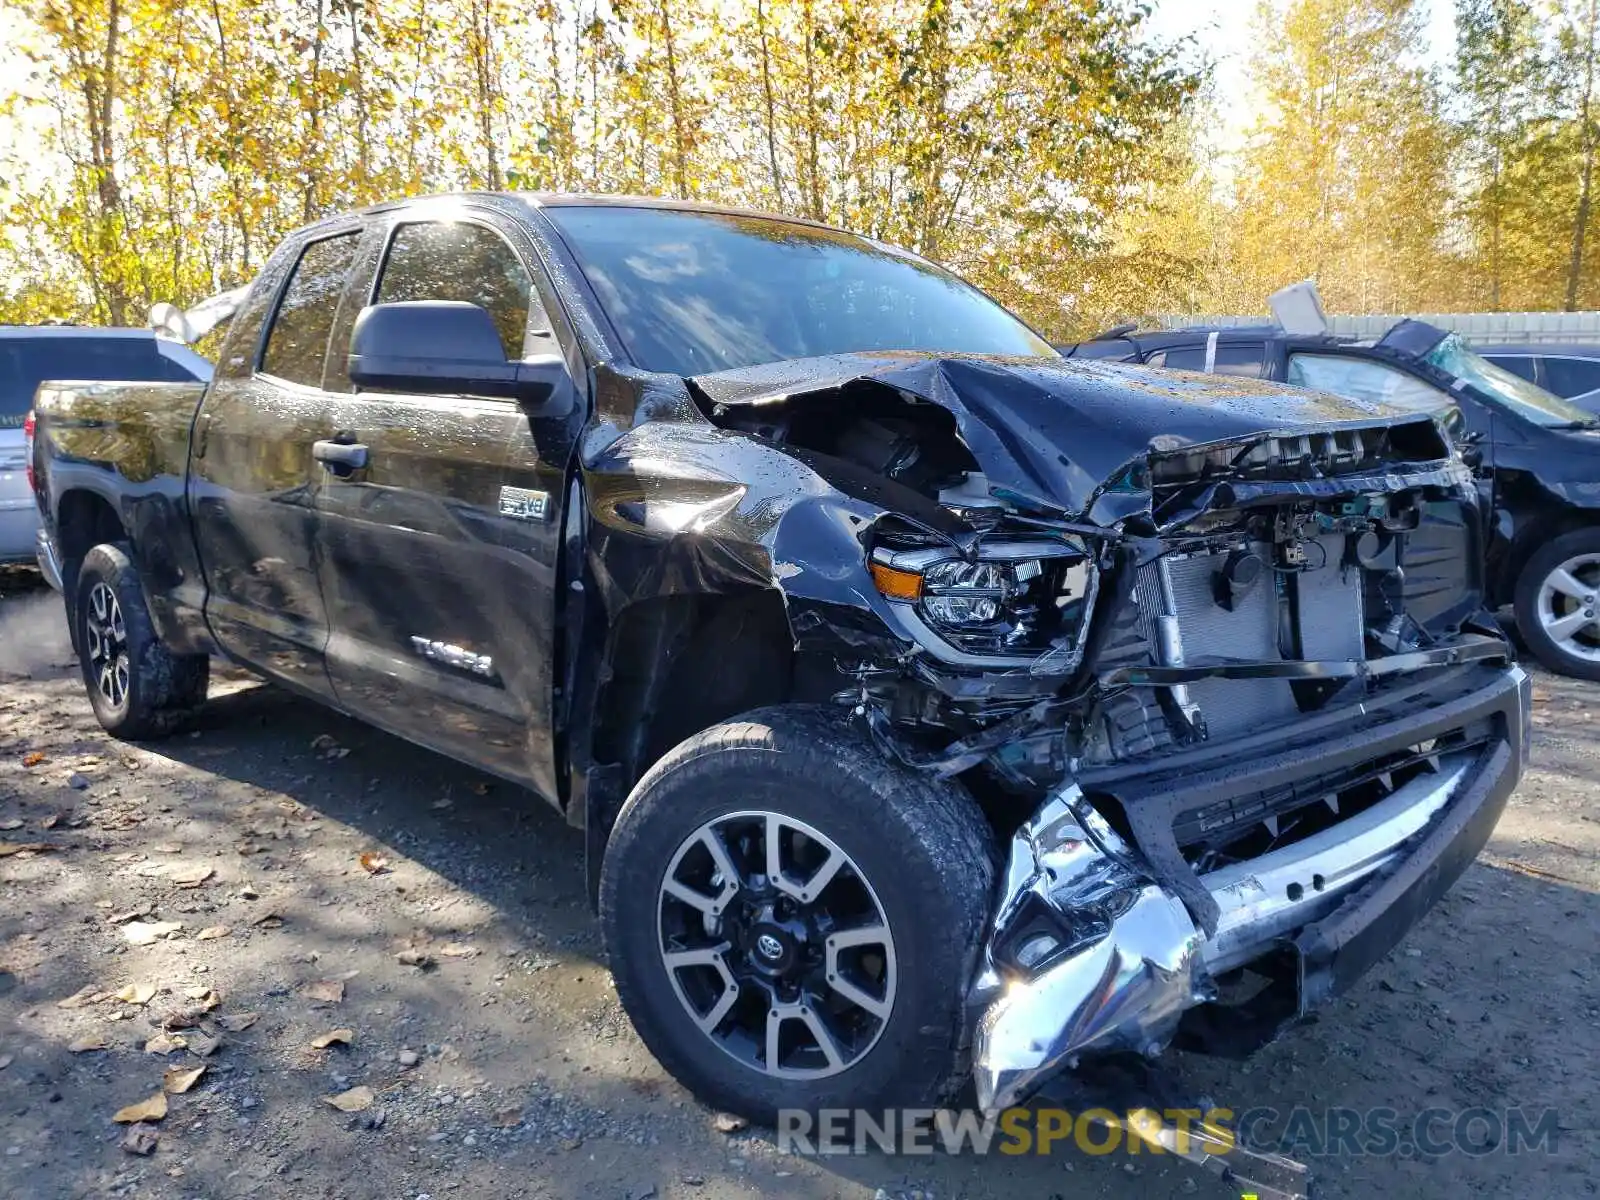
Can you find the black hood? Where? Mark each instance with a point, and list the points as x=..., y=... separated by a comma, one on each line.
x=1059, y=430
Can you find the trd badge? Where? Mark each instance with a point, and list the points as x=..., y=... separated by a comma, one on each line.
x=524, y=504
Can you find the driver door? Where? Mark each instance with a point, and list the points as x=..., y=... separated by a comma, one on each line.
x=439, y=571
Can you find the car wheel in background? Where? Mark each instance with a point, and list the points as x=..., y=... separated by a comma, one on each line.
x=1558, y=604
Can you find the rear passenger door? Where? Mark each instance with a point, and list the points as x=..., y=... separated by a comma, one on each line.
x=1246, y=359
x=439, y=554
x=252, y=477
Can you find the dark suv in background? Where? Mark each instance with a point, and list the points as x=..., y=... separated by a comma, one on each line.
x=1571, y=372
x=1538, y=456
x=31, y=354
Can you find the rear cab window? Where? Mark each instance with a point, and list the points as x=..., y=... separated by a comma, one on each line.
x=297, y=343
x=26, y=362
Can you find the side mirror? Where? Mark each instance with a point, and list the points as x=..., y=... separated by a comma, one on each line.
x=445, y=346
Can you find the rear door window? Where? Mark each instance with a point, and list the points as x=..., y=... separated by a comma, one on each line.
x=26, y=362
x=297, y=344
x=463, y=261
x=1570, y=376
x=1232, y=358
x=1523, y=366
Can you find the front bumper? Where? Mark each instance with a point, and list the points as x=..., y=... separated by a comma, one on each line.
x=1121, y=956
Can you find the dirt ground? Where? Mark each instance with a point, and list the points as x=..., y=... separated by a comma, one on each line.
x=507, y=1069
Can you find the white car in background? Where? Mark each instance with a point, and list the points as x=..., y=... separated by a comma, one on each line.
x=30, y=354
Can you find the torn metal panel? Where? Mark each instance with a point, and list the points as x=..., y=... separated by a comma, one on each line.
x=1057, y=434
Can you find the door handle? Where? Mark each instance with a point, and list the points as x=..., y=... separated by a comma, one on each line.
x=340, y=457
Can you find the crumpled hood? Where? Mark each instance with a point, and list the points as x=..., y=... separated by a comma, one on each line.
x=1057, y=430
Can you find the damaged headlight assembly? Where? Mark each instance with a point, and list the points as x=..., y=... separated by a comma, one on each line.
x=1010, y=603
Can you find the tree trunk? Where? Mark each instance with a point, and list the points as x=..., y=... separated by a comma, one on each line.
x=771, y=106
x=680, y=156
x=1580, y=222
x=312, y=160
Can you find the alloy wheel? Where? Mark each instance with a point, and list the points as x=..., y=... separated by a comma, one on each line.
x=776, y=945
x=1567, y=607
x=106, y=642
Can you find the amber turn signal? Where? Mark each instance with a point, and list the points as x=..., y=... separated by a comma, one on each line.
x=896, y=584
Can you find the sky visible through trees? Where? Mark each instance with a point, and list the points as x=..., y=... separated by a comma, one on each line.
x=1059, y=153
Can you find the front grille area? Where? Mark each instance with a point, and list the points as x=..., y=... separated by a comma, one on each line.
x=1315, y=612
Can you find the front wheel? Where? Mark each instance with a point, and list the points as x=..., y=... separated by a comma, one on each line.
x=792, y=920
x=138, y=688
x=1556, y=604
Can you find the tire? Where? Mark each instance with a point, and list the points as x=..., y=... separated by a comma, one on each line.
x=926, y=856
x=1558, y=588
x=138, y=688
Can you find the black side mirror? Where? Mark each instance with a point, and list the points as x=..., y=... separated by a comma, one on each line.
x=445, y=346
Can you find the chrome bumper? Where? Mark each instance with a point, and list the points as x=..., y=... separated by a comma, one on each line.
x=1100, y=958
x=49, y=563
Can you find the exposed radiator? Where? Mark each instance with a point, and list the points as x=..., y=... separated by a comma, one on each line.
x=1184, y=622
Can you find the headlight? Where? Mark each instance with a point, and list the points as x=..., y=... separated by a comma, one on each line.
x=1023, y=601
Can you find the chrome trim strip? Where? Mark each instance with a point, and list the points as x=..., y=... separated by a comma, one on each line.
x=49, y=564
x=1255, y=896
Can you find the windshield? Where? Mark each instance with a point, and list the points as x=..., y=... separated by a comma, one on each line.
x=1527, y=400
x=691, y=293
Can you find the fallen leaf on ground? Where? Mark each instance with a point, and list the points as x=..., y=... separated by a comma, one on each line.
x=164, y=1043
x=357, y=1099
x=324, y=991
x=84, y=996
x=248, y=892
x=234, y=1022
x=192, y=877
x=152, y=1109
x=122, y=918
x=137, y=993
x=269, y=920
x=84, y=1044
x=147, y=933
x=202, y=1046
x=33, y=758
x=728, y=1123
x=169, y=848
x=205, y=998
x=458, y=950
x=373, y=864
x=10, y=823
x=7, y=849
x=507, y=1118
x=342, y=1036
x=212, y=932
x=246, y=849
x=140, y=1140
x=51, y=821
x=415, y=958
x=178, y=1080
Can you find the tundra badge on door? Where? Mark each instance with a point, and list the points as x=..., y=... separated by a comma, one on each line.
x=524, y=504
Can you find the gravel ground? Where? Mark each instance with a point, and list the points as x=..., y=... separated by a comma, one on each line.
x=504, y=1067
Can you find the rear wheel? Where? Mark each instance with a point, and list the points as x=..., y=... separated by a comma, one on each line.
x=138, y=688
x=793, y=920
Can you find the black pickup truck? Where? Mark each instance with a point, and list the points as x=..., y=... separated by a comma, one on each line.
x=934, y=707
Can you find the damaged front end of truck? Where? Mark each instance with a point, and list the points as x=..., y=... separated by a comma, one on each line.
x=1213, y=654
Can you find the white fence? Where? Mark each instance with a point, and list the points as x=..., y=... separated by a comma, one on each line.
x=1484, y=328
